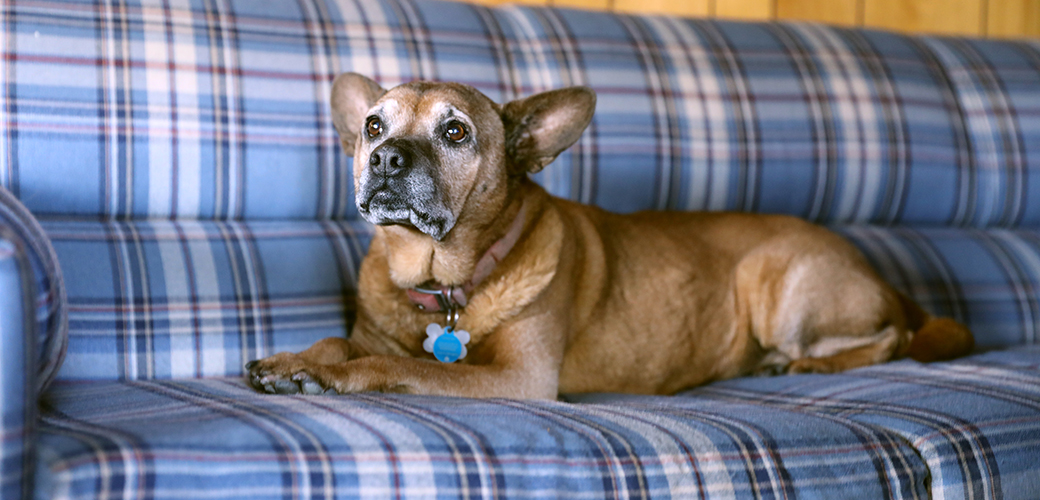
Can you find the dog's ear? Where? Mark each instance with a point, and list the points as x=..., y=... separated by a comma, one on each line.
x=540, y=127
x=352, y=96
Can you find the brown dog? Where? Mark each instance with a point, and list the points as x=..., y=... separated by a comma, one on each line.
x=561, y=297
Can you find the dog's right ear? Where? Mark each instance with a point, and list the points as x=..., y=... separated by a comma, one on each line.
x=352, y=96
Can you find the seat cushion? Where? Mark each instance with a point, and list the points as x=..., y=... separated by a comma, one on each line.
x=975, y=422
x=889, y=431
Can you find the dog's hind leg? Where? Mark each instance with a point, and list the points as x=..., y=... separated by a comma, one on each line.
x=883, y=349
x=817, y=308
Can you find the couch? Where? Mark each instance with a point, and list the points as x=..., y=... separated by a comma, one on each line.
x=175, y=202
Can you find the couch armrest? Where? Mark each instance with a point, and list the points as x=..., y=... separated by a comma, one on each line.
x=33, y=338
x=50, y=305
x=17, y=367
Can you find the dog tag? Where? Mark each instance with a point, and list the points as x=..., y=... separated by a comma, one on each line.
x=446, y=344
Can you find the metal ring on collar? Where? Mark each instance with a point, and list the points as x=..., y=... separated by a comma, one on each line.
x=453, y=317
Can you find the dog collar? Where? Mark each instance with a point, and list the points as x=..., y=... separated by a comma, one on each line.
x=447, y=343
x=434, y=297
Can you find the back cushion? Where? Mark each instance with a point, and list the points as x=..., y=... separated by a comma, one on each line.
x=220, y=110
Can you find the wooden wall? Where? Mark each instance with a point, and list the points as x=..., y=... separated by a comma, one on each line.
x=991, y=18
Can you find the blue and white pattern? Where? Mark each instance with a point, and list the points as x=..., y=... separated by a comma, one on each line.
x=182, y=159
x=18, y=364
x=35, y=252
x=176, y=299
x=164, y=300
x=967, y=429
x=33, y=338
x=217, y=110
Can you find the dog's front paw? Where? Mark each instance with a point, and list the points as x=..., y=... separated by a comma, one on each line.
x=284, y=373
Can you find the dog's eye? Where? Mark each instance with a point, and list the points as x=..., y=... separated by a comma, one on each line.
x=455, y=131
x=373, y=127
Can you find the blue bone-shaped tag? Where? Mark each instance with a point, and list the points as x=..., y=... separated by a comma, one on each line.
x=447, y=345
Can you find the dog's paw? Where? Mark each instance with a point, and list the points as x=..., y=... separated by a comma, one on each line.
x=284, y=373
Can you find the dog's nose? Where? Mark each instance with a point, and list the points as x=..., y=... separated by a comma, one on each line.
x=390, y=160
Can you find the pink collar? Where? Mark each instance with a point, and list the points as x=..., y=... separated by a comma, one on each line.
x=434, y=297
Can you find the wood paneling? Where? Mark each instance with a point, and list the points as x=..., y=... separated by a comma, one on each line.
x=584, y=4
x=841, y=12
x=952, y=17
x=677, y=7
x=1013, y=18
x=500, y=2
x=745, y=9
x=994, y=18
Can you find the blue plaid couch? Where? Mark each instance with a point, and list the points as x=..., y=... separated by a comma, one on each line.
x=174, y=203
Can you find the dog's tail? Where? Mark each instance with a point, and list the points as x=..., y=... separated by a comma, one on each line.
x=935, y=339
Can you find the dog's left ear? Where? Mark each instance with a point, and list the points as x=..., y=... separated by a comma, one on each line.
x=540, y=127
x=352, y=96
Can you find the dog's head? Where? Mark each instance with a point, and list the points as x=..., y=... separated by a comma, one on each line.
x=422, y=149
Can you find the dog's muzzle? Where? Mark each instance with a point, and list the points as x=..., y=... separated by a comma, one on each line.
x=399, y=187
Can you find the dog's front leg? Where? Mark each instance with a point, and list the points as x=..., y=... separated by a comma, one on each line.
x=283, y=373
x=519, y=360
x=419, y=376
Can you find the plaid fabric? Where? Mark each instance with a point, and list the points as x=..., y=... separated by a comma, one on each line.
x=214, y=116
x=51, y=313
x=18, y=367
x=158, y=300
x=33, y=338
x=967, y=429
x=988, y=279
x=975, y=422
x=192, y=299
x=218, y=109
